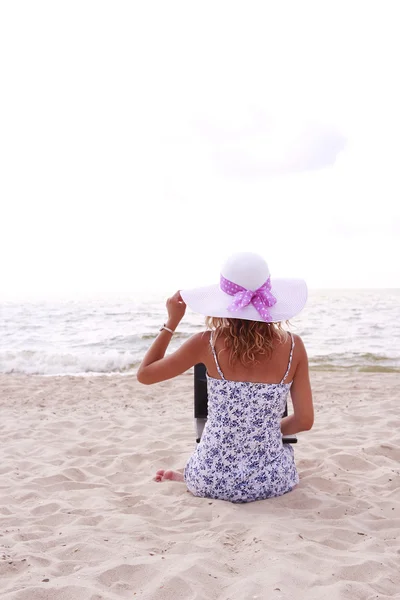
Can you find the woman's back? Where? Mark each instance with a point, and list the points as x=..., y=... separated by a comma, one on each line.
x=241, y=456
x=267, y=369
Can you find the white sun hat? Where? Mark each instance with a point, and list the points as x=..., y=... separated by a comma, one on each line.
x=247, y=291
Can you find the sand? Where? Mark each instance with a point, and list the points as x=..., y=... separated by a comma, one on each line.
x=81, y=518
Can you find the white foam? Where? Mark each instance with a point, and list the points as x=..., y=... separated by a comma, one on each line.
x=43, y=363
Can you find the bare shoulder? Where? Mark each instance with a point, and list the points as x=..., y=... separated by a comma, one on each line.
x=298, y=341
x=199, y=341
x=202, y=338
x=299, y=346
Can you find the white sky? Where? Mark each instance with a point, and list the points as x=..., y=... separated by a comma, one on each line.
x=143, y=142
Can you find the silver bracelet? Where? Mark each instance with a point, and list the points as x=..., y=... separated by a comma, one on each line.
x=167, y=329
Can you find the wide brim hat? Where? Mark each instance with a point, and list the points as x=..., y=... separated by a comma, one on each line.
x=245, y=279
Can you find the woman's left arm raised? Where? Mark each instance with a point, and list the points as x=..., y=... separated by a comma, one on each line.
x=155, y=366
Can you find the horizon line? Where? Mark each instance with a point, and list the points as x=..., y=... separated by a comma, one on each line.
x=130, y=294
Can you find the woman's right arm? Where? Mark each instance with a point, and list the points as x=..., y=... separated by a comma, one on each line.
x=302, y=418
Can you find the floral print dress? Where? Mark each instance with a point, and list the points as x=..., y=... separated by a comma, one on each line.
x=241, y=456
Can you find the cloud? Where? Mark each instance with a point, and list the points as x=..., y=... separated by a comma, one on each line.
x=273, y=147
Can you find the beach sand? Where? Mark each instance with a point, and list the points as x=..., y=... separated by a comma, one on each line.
x=81, y=518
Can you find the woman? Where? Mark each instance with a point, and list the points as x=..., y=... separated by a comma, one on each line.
x=252, y=364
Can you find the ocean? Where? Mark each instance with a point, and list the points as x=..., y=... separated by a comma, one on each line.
x=341, y=329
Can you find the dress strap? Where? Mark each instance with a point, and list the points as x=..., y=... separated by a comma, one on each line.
x=215, y=357
x=290, y=359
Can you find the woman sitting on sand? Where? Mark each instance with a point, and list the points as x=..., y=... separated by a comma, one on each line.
x=252, y=364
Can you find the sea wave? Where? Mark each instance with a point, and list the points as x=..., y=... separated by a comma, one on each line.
x=363, y=361
x=113, y=362
x=34, y=362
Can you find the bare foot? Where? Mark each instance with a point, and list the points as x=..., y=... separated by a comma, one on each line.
x=163, y=475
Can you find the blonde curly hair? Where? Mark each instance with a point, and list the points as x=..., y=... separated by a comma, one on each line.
x=246, y=340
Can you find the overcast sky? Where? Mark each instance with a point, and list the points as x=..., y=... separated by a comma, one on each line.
x=143, y=142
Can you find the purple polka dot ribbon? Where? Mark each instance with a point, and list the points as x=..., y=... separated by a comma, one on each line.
x=261, y=299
